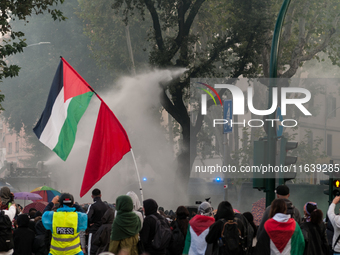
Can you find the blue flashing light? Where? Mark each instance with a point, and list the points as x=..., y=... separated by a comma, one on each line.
x=144, y=179
x=218, y=179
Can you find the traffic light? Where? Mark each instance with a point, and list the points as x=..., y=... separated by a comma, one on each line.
x=336, y=187
x=286, y=146
x=333, y=183
x=286, y=160
x=329, y=190
x=259, y=158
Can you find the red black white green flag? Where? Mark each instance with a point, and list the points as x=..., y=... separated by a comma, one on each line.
x=67, y=101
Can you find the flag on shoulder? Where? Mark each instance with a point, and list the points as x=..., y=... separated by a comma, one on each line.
x=67, y=101
x=198, y=229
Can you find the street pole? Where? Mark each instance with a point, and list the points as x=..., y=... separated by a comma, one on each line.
x=39, y=43
x=270, y=181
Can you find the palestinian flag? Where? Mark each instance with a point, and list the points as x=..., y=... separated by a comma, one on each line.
x=198, y=229
x=285, y=237
x=67, y=101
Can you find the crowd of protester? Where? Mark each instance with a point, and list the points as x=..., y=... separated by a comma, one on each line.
x=129, y=227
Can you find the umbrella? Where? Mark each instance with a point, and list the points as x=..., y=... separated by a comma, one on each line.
x=47, y=193
x=40, y=206
x=26, y=196
x=258, y=209
x=6, y=184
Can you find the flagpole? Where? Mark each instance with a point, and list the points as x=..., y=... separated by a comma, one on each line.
x=140, y=184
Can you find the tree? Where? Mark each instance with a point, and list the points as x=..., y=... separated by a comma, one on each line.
x=110, y=37
x=13, y=41
x=310, y=28
x=226, y=39
x=26, y=94
x=176, y=41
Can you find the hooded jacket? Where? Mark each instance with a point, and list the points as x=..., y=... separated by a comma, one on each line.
x=23, y=236
x=282, y=235
x=149, y=226
x=136, y=206
x=195, y=243
x=102, y=237
x=290, y=207
x=39, y=246
x=125, y=227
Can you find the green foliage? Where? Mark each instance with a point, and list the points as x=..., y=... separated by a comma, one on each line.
x=13, y=41
x=26, y=94
x=218, y=39
x=108, y=35
x=2, y=98
x=245, y=154
x=308, y=150
x=310, y=28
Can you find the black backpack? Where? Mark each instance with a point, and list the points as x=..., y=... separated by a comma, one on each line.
x=231, y=240
x=247, y=233
x=177, y=242
x=6, y=236
x=162, y=236
x=291, y=211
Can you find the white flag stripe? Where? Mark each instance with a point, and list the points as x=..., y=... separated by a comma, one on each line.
x=51, y=132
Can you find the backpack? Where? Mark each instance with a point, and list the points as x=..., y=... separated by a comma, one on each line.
x=6, y=236
x=247, y=233
x=162, y=236
x=177, y=242
x=230, y=242
x=291, y=211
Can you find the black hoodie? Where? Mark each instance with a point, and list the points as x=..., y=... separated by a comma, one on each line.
x=101, y=238
x=39, y=247
x=149, y=227
x=23, y=236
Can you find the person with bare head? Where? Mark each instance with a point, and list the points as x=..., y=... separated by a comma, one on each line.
x=221, y=236
x=95, y=212
x=281, y=234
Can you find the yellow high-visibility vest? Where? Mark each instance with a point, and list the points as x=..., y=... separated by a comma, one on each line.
x=65, y=238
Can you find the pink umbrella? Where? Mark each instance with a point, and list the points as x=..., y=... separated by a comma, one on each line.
x=258, y=209
x=40, y=206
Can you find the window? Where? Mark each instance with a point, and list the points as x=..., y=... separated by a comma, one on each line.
x=331, y=107
x=9, y=148
x=329, y=145
x=17, y=146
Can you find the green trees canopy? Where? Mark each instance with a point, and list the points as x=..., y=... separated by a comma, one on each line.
x=12, y=40
x=214, y=39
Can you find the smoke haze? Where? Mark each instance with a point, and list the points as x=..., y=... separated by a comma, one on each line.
x=135, y=102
